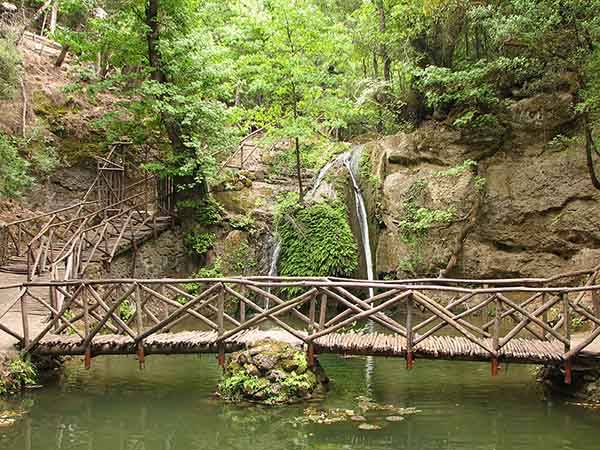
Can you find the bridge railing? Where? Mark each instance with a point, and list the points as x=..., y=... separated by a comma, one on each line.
x=514, y=323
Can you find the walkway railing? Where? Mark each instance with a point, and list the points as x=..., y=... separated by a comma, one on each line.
x=519, y=323
x=78, y=234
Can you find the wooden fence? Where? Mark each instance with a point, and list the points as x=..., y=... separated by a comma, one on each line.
x=505, y=320
x=90, y=230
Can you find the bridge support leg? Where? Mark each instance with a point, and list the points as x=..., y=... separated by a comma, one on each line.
x=140, y=355
x=221, y=356
x=410, y=358
x=310, y=355
x=495, y=367
x=568, y=370
x=87, y=360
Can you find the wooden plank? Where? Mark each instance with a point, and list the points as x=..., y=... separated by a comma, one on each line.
x=523, y=323
x=531, y=318
x=359, y=309
x=112, y=314
x=369, y=312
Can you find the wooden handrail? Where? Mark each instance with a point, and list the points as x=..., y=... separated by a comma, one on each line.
x=521, y=342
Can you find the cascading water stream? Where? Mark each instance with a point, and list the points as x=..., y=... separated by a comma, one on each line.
x=351, y=163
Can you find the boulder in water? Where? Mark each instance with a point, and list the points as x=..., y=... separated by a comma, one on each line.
x=271, y=372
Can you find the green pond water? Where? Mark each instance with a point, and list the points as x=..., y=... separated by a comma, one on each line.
x=170, y=406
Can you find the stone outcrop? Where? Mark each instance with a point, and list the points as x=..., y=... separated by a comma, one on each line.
x=272, y=373
x=584, y=387
x=539, y=213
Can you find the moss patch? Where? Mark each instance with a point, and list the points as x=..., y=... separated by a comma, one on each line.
x=316, y=239
x=270, y=373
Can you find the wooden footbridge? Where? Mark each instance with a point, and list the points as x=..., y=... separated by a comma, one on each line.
x=518, y=321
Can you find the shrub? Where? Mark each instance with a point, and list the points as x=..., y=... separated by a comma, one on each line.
x=14, y=176
x=198, y=242
x=16, y=375
x=206, y=211
x=10, y=68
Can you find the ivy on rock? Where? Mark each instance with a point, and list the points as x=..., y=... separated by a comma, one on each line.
x=316, y=239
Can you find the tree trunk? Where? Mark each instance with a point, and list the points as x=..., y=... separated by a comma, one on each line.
x=590, y=150
x=299, y=171
x=157, y=74
x=375, y=65
x=61, y=57
x=53, y=17
x=152, y=37
x=387, y=64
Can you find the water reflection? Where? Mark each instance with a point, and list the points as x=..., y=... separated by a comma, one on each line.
x=170, y=406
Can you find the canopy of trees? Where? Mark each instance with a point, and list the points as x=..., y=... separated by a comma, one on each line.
x=197, y=75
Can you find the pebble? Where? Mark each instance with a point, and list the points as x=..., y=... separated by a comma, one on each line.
x=358, y=419
x=394, y=418
x=368, y=427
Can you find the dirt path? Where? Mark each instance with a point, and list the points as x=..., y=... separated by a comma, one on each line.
x=13, y=319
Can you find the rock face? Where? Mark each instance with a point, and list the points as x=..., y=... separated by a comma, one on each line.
x=272, y=373
x=526, y=188
x=584, y=387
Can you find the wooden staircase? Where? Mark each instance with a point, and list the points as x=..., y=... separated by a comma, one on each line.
x=65, y=242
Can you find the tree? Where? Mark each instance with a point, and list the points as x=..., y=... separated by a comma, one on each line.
x=298, y=74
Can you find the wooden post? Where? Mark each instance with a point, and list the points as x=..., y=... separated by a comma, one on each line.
x=409, y=332
x=567, y=331
x=86, y=327
x=496, y=335
x=139, y=324
x=312, y=310
x=242, y=305
x=221, y=326
x=596, y=305
x=544, y=316
x=323, y=311
x=29, y=263
x=25, y=319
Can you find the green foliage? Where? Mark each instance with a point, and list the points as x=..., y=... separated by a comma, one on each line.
x=417, y=220
x=478, y=86
x=366, y=171
x=212, y=271
x=457, y=170
x=316, y=239
x=126, y=310
x=17, y=375
x=197, y=242
x=206, y=211
x=243, y=223
x=14, y=170
x=10, y=68
x=238, y=258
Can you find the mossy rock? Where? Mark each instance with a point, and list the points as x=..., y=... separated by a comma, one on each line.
x=271, y=373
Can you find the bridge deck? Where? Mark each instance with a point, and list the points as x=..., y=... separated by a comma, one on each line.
x=519, y=350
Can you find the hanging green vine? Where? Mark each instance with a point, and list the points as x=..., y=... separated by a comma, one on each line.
x=316, y=239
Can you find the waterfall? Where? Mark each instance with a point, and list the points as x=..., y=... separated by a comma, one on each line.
x=275, y=258
x=351, y=163
x=350, y=160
